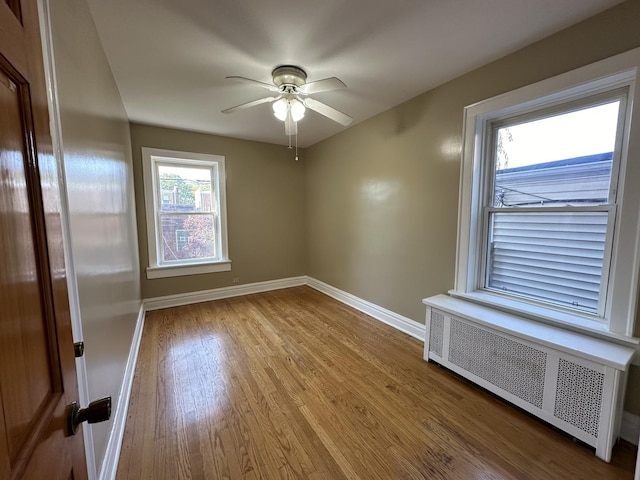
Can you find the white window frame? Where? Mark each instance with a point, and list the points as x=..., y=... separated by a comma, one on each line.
x=618, y=316
x=609, y=206
x=151, y=158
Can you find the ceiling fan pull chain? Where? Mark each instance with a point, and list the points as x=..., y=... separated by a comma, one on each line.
x=296, y=146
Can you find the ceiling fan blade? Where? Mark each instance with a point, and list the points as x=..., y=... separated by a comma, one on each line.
x=250, y=104
x=257, y=83
x=290, y=127
x=327, y=111
x=323, y=85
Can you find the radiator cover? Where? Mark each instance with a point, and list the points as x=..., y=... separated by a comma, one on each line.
x=580, y=396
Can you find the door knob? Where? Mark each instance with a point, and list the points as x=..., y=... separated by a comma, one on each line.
x=97, y=411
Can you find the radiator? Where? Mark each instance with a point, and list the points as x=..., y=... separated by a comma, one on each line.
x=582, y=396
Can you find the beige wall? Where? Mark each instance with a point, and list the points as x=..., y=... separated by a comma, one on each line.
x=97, y=159
x=265, y=205
x=382, y=197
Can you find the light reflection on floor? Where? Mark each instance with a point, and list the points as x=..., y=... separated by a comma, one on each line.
x=198, y=390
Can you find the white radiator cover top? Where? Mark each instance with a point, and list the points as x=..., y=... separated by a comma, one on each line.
x=570, y=380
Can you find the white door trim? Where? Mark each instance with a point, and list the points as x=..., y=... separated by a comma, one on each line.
x=72, y=284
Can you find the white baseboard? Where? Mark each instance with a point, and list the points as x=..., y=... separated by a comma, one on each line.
x=630, y=427
x=179, y=299
x=112, y=454
x=404, y=324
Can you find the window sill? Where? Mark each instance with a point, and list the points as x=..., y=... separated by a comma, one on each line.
x=189, y=269
x=549, y=316
x=600, y=351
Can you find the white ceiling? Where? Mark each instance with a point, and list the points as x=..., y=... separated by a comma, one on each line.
x=170, y=58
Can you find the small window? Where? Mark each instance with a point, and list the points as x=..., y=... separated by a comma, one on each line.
x=186, y=216
x=548, y=218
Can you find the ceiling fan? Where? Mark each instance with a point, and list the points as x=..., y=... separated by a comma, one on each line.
x=292, y=96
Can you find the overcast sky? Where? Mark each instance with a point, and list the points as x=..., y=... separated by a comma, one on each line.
x=575, y=134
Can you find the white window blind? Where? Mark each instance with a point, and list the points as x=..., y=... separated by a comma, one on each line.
x=553, y=256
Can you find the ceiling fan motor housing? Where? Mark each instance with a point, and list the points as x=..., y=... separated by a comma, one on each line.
x=289, y=75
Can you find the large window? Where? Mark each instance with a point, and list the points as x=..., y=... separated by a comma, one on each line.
x=186, y=213
x=548, y=222
x=550, y=208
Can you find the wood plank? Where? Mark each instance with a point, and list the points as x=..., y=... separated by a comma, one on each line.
x=293, y=384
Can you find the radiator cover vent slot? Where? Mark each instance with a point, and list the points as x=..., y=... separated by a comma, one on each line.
x=508, y=364
x=436, y=333
x=579, y=396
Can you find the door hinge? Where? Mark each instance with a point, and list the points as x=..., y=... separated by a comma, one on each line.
x=78, y=349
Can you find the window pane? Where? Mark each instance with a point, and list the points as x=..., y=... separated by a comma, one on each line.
x=185, y=189
x=188, y=237
x=556, y=257
x=562, y=160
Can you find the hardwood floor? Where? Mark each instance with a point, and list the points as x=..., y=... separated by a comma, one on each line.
x=292, y=384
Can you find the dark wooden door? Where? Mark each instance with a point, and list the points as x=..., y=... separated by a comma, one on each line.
x=37, y=365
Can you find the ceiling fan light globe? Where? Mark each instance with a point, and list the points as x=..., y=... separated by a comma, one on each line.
x=280, y=108
x=280, y=116
x=297, y=109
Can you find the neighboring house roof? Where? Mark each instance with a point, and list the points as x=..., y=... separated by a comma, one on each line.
x=588, y=159
x=571, y=181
